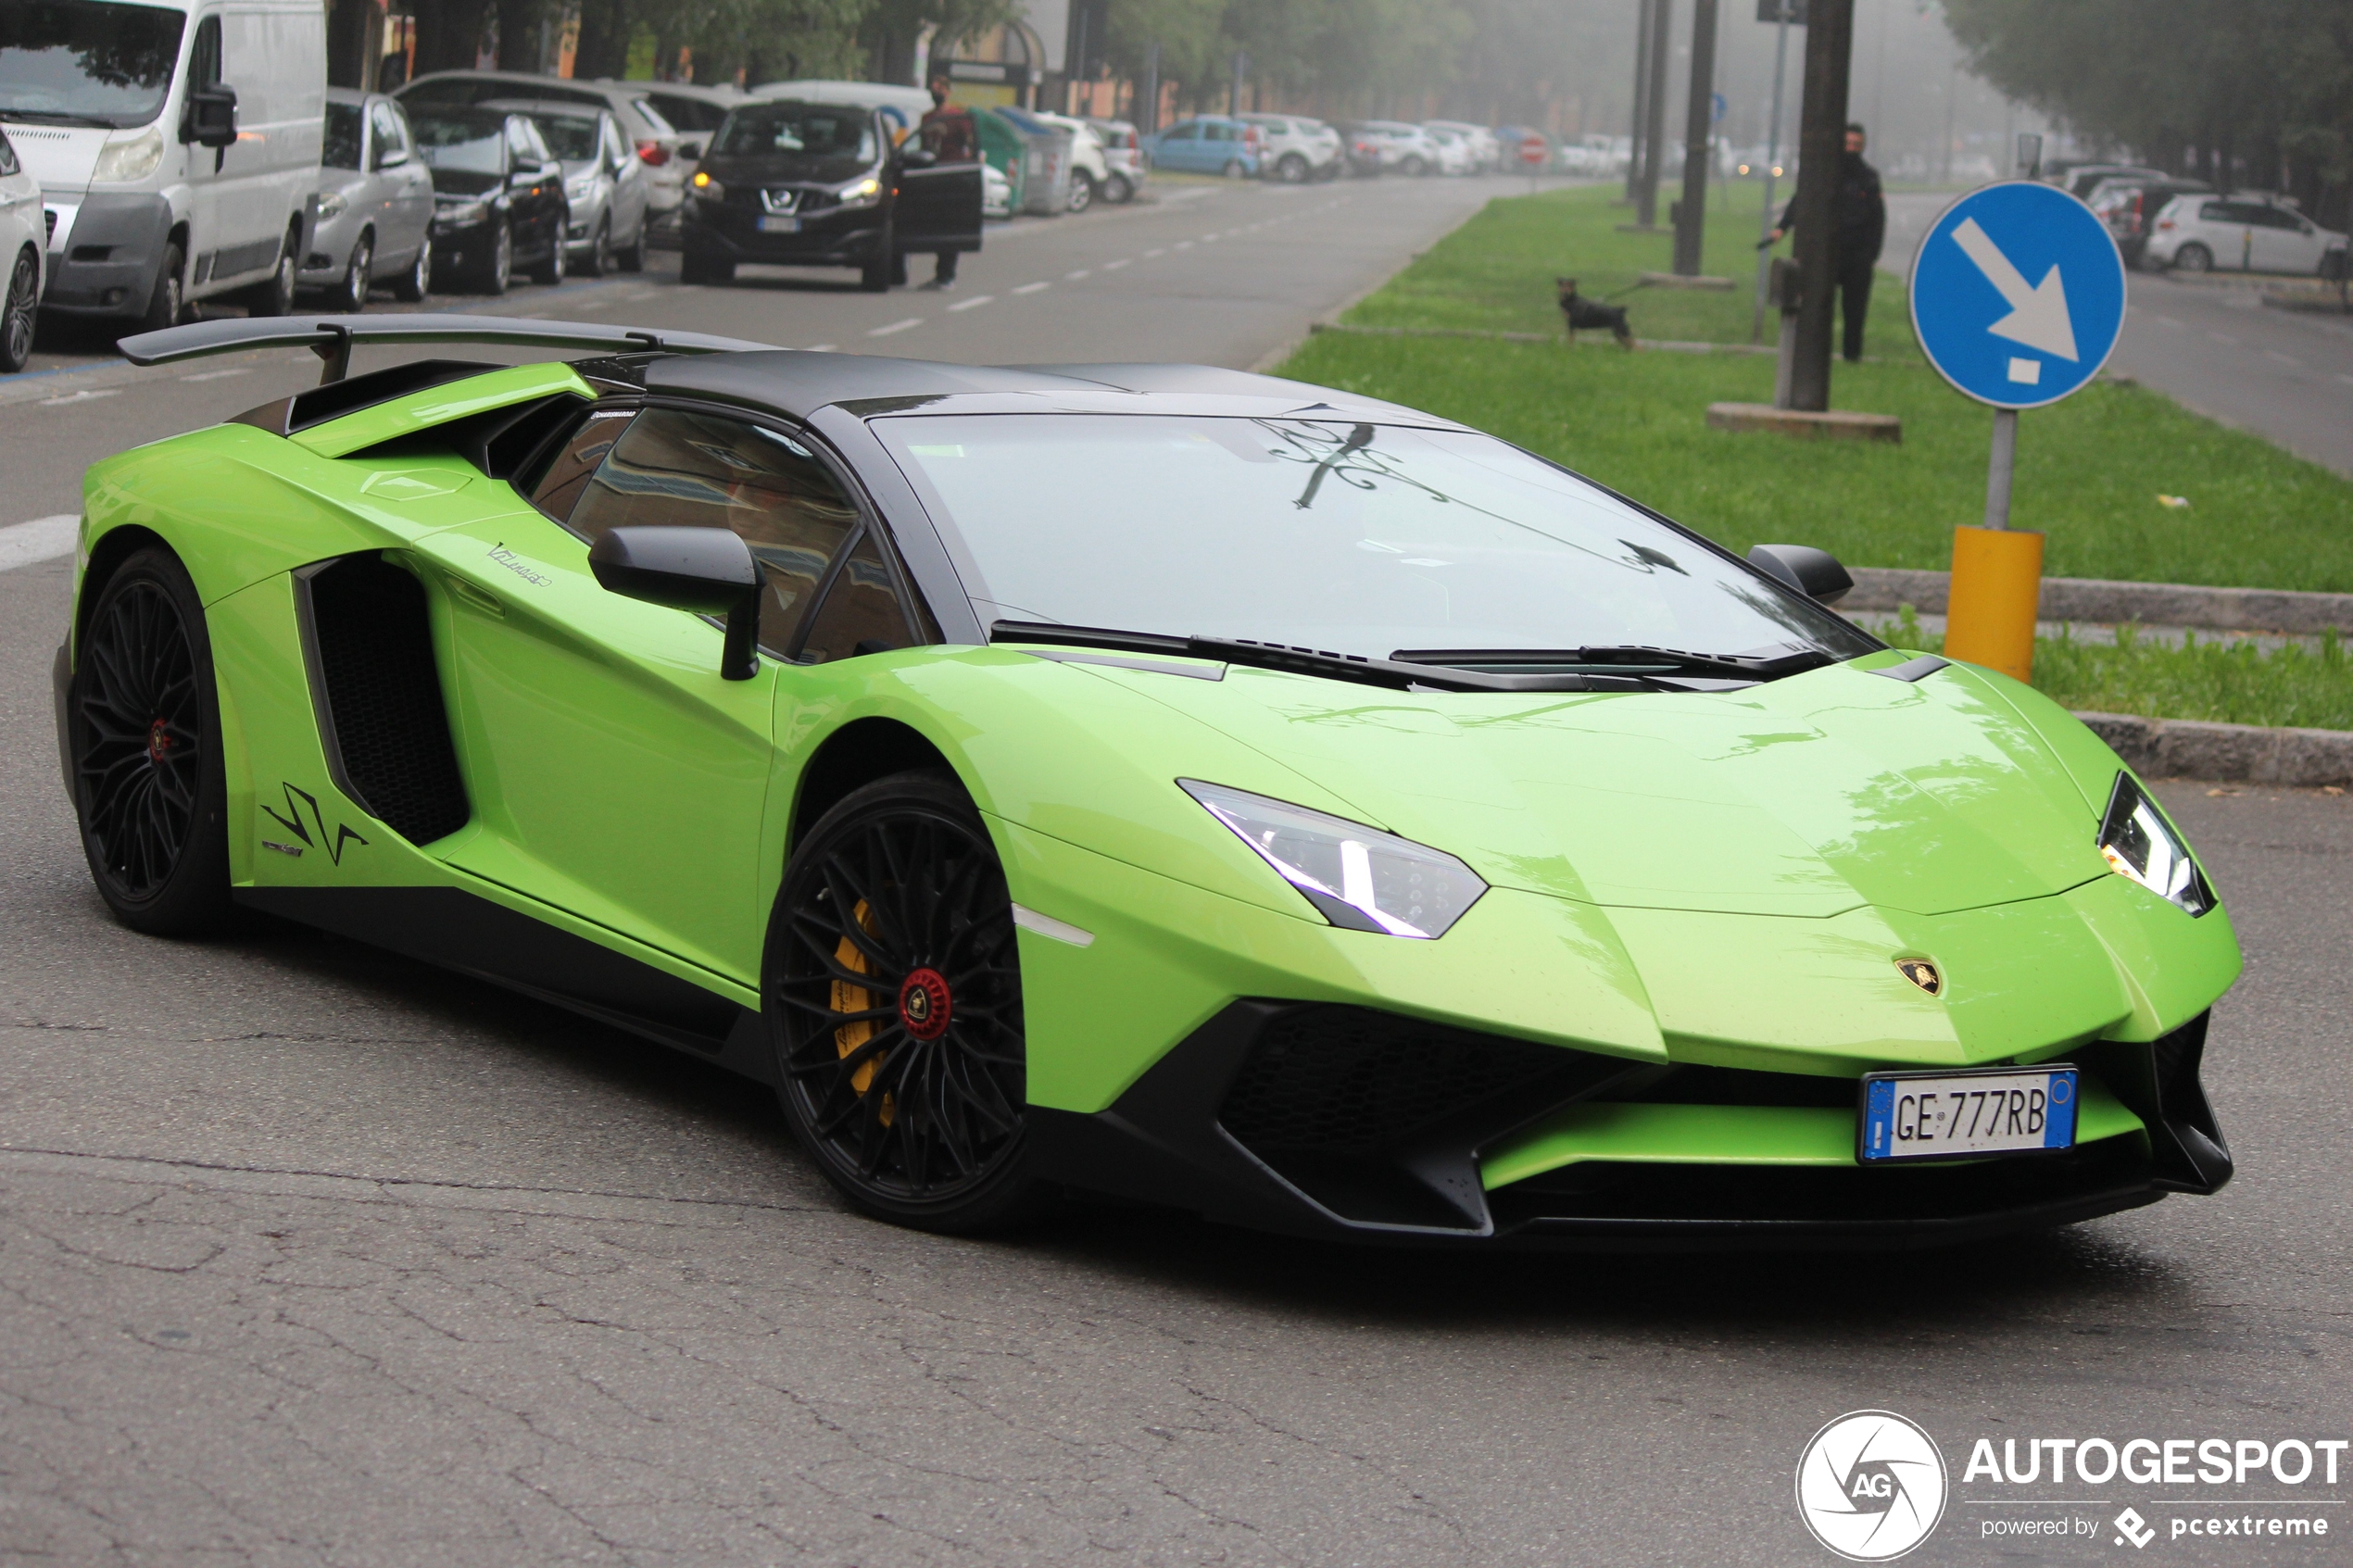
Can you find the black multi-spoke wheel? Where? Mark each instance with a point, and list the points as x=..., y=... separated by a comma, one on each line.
x=143, y=727
x=893, y=995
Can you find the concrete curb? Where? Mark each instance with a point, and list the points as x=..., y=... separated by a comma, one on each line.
x=2188, y=748
x=1884, y=590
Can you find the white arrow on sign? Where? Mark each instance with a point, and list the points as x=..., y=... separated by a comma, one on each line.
x=2038, y=315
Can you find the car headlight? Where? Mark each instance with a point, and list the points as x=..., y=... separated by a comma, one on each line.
x=132, y=158
x=332, y=205
x=1358, y=878
x=581, y=187
x=860, y=193
x=2138, y=843
x=455, y=213
x=708, y=188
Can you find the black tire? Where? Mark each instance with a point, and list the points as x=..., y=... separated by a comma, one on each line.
x=632, y=257
x=1292, y=170
x=2194, y=258
x=275, y=295
x=352, y=291
x=143, y=723
x=18, y=312
x=167, y=302
x=550, y=269
x=600, y=259
x=1233, y=169
x=413, y=285
x=699, y=266
x=495, y=271
x=914, y=1109
x=1118, y=191
x=1082, y=190
x=1414, y=166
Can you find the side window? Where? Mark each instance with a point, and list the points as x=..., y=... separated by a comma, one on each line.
x=204, y=55
x=861, y=613
x=2214, y=212
x=1189, y=131
x=519, y=146
x=1219, y=132
x=676, y=469
x=576, y=462
x=383, y=129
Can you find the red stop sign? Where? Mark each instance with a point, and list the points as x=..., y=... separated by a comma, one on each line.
x=1532, y=149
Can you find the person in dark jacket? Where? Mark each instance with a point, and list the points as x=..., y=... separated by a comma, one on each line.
x=1859, y=219
x=949, y=133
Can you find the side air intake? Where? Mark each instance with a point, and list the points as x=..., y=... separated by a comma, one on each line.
x=378, y=695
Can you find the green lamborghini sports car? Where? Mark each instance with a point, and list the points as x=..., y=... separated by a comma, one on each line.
x=1152, y=782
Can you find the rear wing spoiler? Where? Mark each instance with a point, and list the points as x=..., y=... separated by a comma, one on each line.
x=333, y=338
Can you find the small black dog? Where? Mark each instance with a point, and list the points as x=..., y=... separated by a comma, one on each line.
x=1587, y=315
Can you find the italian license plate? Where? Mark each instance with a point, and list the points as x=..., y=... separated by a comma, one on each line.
x=1951, y=1115
x=780, y=225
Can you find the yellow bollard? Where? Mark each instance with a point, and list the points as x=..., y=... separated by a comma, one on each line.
x=1997, y=585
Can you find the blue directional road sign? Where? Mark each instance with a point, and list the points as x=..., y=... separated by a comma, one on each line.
x=2017, y=294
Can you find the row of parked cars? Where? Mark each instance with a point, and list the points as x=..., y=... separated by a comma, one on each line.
x=2174, y=223
x=1295, y=149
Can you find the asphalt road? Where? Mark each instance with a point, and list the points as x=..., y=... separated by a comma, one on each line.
x=310, y=1255
x=2212, y=345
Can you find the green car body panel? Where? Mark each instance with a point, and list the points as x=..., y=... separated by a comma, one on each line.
x=1720, y=879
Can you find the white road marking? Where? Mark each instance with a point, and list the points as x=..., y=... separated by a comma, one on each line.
x=1115, y=266
x=972, y=304
x=1150, y=254
x=1081, y=273
x=2283, y=359
x=217, y=375
x=1183, y=244
x=897, y=327
x=85, y=396
x=2223, y=337
x=44, y=538
x=1207, y=239
x=822, y=348
x=1032, y=288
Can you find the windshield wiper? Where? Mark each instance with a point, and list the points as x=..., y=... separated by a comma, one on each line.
x=1624, y=658
x=1391, y=673
x=56, y=117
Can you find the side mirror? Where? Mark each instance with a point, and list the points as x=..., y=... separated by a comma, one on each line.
x=391, y=157
x=211, y=117
x=917, y=157
x=708, y=570
x=1815, y=573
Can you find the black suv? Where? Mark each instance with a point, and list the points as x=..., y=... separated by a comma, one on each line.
x=795, y=185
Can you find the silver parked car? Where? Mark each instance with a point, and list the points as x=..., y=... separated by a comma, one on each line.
x=605, y=183
x=659, y=143
x=372, y=219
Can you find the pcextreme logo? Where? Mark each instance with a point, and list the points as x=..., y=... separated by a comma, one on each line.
x=1871, y=1485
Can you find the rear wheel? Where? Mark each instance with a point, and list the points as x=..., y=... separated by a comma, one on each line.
x=17, y=313
x=275, y=296
x=143, y=725
x=1292, y=171
x=599, y=259
x=2194, y=258
x=1118, y=191
x=893, y=992
x=1234, y=169
x=1414, y=166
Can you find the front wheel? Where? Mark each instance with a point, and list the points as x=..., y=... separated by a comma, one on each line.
x=1234, y=169
x=1082, y=192
x=599, y=259
x=16, y=313
x=2194, y=258
x=143, y=725
x=893, y=998
x=351, y=294
x=1415, y=167
x=166, y=303
x=496, y=271
x=1292, y=171
x=1118, y=190
x=550, y=269
x=413, y=284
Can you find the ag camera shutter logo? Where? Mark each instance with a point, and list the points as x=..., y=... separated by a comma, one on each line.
x=1871, y=1485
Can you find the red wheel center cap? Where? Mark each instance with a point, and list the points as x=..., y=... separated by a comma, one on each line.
x=159, y=741
x=924, y=1004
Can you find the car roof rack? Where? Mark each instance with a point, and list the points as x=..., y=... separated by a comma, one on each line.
x=333, y=338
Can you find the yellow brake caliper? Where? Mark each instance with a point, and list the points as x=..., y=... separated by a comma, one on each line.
x=857, y=998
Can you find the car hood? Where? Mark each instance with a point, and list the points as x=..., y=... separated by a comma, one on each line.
x=1809, y=797
x=60, y=156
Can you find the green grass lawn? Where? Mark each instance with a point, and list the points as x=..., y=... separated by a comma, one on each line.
x=2089, y=469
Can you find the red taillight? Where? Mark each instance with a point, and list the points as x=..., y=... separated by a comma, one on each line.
x=652, y=154
x=2165, y=223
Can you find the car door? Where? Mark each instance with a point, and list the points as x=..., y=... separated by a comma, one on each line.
x=1220, y=145
x=937, y=204
x=404, y=187
x=1179, y=147
x=2280, y=243
x=615, y=774
x=629, y=191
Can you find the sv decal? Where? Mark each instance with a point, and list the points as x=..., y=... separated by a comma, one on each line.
x=295, y=800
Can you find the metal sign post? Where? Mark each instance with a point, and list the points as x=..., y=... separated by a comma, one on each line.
x=2018, y=298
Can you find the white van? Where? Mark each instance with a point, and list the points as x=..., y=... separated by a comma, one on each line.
x=177, y=147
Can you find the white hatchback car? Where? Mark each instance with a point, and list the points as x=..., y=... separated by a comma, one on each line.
x=1294, y=149
x=2200, y=234
x=24, y=254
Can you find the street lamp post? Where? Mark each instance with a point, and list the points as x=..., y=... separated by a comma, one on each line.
x=1690, y=213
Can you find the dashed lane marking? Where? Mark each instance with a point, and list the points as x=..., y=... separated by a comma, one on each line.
x=217, y=375
x=972, y=304
x=1032, y=288
x=44, y=538
x=896, y=327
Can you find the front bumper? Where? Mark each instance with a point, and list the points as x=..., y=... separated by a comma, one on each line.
x=1346, y=1124
x=108, y=262
x=837, y=238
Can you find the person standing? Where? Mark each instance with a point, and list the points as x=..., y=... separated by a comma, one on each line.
x=1859, y=219
x=949, y=134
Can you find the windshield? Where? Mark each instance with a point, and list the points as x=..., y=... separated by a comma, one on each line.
x=78, y=62
x=462, y=144
x=1350, y=538
x=343, y=136
x=568, y=137
x=804, y=130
